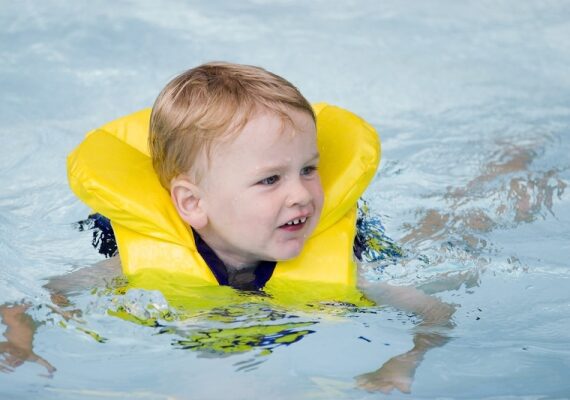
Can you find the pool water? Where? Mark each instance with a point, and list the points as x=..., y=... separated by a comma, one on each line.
x=472, y=102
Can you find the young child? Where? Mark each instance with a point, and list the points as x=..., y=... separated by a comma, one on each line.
x=258, y=198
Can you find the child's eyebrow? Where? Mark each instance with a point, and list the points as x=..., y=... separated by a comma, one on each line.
x=315, y=157
x=276, y=167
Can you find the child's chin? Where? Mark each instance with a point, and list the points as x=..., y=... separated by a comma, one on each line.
x=289, y=254
x=287, y=249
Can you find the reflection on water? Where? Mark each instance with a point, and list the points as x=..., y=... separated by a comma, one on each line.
x=221, y=331
x=242, y=339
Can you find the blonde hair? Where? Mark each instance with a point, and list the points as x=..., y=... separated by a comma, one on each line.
x=211, y=102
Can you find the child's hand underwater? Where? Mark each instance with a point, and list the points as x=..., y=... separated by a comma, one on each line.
x=396, y=373
x=18, y=348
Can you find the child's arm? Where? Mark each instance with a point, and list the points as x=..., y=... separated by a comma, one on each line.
x=97, y=275
x=398, y=372
x=20, y=329
x=17, y=349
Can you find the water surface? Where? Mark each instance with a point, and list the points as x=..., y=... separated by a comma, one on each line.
x=471, y=100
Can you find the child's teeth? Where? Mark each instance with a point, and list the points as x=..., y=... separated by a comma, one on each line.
x=297, y=221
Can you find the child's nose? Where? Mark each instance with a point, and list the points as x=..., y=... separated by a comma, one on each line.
x=299, y=195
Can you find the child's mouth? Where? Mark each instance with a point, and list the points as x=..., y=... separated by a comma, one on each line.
x=294, y=225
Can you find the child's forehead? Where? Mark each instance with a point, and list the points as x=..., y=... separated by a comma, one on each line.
x=268, y=138
x=269, y=128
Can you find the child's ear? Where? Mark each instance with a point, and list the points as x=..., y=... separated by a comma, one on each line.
x=187, y=199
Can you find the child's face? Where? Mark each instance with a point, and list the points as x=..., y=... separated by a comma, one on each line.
x=262, y=193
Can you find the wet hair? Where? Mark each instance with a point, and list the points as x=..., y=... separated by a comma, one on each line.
x=208, y=104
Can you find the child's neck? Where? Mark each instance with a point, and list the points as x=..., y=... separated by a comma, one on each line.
x=232, y=262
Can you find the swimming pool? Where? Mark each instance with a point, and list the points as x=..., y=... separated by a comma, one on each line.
x=472, y=103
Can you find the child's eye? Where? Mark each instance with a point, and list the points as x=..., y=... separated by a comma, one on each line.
x=273, y=179
x=308, y=171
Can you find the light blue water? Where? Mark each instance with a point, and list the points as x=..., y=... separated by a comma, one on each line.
x=472, y=102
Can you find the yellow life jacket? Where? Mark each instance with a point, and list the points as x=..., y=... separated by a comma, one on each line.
x=111, y=171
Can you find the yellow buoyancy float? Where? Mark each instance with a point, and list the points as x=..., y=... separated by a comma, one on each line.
x=111, y=171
